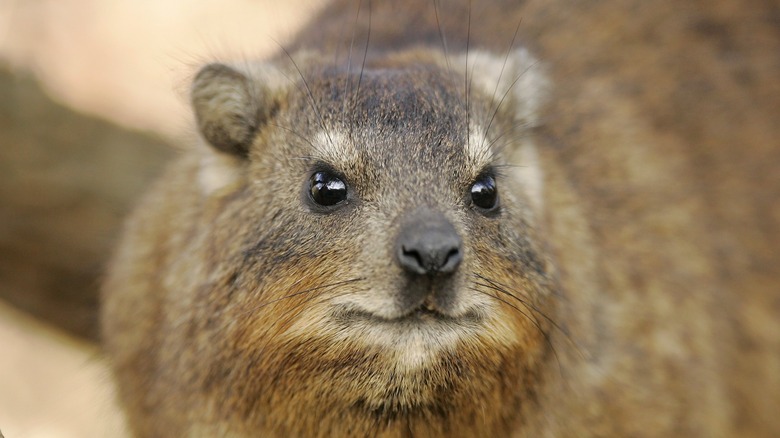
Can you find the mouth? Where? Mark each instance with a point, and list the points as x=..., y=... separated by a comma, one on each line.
x=427, y=310
x=422, y=315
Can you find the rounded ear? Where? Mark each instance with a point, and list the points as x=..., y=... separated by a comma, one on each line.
x=516, y=80
x=229, y=106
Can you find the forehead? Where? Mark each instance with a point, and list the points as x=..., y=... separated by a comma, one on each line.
x=410, y=118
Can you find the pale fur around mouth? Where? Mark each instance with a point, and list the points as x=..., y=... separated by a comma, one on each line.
x=415, y=339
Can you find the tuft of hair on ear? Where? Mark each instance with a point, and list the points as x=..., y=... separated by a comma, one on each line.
x=229, y=107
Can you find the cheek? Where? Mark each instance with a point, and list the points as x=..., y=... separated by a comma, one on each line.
x=519, y=306
x=290, y=301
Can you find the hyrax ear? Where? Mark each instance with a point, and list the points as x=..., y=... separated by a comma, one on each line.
x=516, y=81
x=229, y=107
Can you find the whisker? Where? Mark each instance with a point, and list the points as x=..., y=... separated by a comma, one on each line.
x=506, y=93
x=294, y=132
x=466, y=84
x=533, y=320
x=500, y=288
x=498, y=167
x=305, y=158
x=349, y=64
x=445, y=48
x=441, y=36
x=305, y=291
x=525, y=303
x=517, y=134
x=365, y=56
x=498, y=82
x=312, y=101
x=298, y=308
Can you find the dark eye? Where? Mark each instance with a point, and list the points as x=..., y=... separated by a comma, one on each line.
x=484, y=193
x=327, y=189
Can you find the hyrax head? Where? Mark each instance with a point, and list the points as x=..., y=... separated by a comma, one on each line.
x=374, y=234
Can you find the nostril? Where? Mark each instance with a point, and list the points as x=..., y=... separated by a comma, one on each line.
x=451, y=260
x=412, y=260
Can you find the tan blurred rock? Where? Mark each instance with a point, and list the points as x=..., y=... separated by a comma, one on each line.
x=66, y=182
x=130, y=61
x=53, y=386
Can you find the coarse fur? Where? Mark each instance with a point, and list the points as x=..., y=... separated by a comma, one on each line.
x=593, y=301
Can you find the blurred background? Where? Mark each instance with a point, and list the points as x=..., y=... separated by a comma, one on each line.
x=93, y=102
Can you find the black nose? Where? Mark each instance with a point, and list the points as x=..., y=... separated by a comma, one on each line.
x=428, y=244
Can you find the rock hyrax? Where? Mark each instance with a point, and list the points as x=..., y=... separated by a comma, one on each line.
x=399, y=227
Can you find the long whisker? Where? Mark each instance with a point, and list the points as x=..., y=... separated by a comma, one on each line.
x=505, y=287
x=517, y=133
x=498, y=82
x=531, y=318
x=441, y=36
x=498, y=287
x=506, y=93
x=500, y=167
x=349, y=64
x=294, y=132
x=466, y=84
x=297, y=309
x=305, y=291
x=525, y=303
x=365, y=57
x=445, y=48
x=312, y=101
x=290, y=315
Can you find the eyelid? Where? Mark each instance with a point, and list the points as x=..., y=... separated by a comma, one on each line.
x=322, y=166
x=488, y=171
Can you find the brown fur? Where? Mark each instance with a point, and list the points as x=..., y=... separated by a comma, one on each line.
x=650, y=306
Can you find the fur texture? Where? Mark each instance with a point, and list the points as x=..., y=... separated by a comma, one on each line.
x=622, y=288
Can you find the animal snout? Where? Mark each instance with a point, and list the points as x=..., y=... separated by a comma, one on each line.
x=429, y=245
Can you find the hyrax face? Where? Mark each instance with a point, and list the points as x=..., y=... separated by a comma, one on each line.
x=353, y=252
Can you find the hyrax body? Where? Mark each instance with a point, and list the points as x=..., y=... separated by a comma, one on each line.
x=368, y=242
